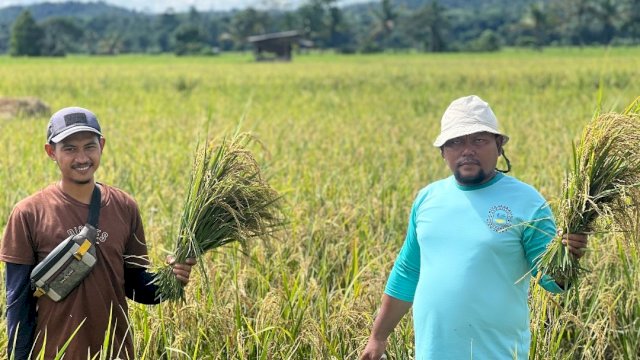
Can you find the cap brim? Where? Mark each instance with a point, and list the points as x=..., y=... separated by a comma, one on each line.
x=467, y=130
x=76, y=129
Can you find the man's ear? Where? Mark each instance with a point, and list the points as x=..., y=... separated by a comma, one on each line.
x=102, y=141
x=50, y=150
x=499, y=143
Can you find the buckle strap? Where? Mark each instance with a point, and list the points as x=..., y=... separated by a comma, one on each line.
x=94, y=207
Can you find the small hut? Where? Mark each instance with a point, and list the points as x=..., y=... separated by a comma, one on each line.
x=274, y=46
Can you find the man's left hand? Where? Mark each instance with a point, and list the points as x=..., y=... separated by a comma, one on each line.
x=181, y=271
x=575, y=243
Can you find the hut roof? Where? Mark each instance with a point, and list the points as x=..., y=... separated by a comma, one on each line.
x=292, y=35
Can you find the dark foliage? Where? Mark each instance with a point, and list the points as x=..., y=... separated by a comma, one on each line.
x=380, y=25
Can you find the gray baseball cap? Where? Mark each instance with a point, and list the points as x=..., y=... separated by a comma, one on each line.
x=69, y=121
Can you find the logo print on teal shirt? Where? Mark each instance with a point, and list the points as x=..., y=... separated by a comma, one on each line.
x=499, y=218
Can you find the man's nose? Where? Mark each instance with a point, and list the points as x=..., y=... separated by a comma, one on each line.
x=468, y=149
x=81, y=156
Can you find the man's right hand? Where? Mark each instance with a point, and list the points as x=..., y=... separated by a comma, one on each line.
x=391, y=311
x=374, y=350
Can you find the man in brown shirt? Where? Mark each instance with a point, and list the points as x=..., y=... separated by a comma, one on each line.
x=40, y=222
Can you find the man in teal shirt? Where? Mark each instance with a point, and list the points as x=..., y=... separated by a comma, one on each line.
x=471, y=242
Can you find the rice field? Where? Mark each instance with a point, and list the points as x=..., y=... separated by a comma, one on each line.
x=347, y=140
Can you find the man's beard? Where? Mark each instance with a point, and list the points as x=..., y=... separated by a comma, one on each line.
x=470, y=180
x=82, y=182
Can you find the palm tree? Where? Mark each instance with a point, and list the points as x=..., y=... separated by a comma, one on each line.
x=385, y=17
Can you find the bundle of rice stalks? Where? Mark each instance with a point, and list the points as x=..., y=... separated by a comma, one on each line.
x=227, y=200
x=604, y=178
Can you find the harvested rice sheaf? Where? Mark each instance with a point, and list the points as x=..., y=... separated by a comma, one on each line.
x=605, y=176
x=228, y=200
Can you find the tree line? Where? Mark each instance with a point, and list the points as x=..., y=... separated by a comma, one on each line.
x=380, y=26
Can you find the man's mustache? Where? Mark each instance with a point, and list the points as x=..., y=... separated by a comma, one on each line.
x=467, y=161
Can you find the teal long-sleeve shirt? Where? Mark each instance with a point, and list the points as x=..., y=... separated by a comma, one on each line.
x=466, y=263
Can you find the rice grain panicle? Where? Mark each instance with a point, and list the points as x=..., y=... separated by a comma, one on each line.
x=227, y=200
x=603, y=183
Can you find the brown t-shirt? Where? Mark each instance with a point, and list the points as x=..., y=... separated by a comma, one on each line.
x=37, y=225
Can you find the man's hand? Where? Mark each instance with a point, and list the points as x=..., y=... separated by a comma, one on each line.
x=391, y=311
x=374, y=350
x=181, y=271
x=575, y=243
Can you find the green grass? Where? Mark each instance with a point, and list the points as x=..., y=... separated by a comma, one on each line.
x=349, y=145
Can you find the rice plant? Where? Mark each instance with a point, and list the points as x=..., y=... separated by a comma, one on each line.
x=227, y=200
x=604, y=179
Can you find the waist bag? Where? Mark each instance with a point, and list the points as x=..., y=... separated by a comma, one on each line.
x=71, y=261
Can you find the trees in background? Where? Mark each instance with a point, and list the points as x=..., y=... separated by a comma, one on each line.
x=60, y=36
x=573, y=17
x=190, y=37
x=383, y=28
x=26, y=36
x=246, y=23
x=324, y=23
x=430, y=25
x=606, y=14
x=166, y=24
x=632, y=9
x=535, y=27
x=631, y=16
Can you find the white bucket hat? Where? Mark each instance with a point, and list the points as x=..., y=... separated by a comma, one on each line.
x=467, y=115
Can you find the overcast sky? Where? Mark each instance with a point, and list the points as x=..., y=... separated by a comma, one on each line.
x=182, y=5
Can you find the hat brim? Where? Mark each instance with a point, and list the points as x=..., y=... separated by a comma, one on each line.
x=466, y=130
x=70, y=131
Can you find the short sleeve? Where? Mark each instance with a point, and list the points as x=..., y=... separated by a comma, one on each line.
x=17, y=243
